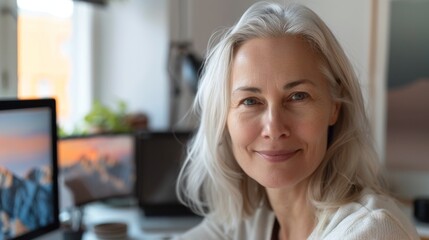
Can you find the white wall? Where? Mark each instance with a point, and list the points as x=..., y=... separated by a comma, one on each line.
x=130, y=54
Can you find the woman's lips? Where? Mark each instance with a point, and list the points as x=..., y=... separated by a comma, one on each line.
x=277, y=156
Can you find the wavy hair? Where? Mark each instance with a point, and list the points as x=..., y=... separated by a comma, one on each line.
x=212, y=183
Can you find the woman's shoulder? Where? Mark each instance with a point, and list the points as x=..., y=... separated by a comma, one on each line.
x=258, y=226
x=371, y=215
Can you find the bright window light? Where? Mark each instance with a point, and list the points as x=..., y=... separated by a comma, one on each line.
x=58, y=8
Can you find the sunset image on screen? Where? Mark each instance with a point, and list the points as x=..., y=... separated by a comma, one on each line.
x=97, y=167
x=25, y=171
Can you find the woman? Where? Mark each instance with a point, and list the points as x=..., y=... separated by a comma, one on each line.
x=283, y=149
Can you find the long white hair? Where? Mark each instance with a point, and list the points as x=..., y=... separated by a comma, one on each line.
x=212, y=183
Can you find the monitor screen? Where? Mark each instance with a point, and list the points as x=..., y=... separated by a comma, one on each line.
x=97, y=167
x=28, y=170
x=159, y=159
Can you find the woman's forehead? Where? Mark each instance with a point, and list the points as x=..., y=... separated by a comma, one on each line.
x=272, y=58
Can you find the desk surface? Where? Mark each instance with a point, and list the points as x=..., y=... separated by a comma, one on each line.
x=139, y=226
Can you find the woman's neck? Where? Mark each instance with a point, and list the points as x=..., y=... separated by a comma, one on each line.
x=294, y=213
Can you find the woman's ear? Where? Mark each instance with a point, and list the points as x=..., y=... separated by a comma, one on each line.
x=336, y=106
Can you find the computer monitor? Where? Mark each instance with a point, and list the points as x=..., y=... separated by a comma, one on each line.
x=97, y=167
x=159, y=159
x=28, y=168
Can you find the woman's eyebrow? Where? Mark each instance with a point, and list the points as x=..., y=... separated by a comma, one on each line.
x=247, y=89
x=287, y=86
x=297, y=83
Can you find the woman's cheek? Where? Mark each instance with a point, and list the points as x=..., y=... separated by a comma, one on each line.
x=243, y=127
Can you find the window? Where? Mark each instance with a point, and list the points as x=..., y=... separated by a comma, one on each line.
x=54, y=55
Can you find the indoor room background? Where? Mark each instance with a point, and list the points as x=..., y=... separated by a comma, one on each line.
x=120, y=51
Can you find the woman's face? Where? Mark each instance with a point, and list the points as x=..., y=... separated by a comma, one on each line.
x=280, y=110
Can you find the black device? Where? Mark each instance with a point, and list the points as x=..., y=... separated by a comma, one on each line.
x=97, y=167
x=421, y=209
x=159, y=158
x=28, y=168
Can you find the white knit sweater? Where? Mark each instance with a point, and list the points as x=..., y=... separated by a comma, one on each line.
x=372, y=217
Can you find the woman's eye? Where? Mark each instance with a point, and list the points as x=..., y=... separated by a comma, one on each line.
x=299, y=96
x=249, y=101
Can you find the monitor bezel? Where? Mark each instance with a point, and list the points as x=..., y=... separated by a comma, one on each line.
x=21, y=104
x=132, y=194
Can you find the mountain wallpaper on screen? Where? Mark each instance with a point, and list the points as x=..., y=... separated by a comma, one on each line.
x=24, y=201
x=103, y=177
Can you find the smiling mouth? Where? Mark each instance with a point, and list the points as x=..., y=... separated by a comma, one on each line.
x=277, y=156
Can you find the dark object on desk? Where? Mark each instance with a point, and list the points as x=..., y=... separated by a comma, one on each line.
x=111, y=230
x=421, y=209
x=69, y=234
x=159, y=159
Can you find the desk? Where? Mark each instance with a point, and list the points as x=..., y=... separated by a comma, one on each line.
x=139, y=226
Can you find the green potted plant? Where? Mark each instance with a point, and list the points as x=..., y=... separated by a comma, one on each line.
x=102, y=119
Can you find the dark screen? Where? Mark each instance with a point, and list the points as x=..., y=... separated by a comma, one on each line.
x=160, y=156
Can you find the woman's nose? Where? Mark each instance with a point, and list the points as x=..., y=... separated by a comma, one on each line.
x=275, y=124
